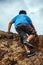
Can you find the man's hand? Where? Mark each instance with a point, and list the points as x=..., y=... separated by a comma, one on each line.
x=32, y=26
x=9, y=32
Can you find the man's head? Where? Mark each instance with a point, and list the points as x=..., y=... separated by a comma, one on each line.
x=22, y=12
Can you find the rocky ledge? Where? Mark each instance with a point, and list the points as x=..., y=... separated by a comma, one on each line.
x=13, y=53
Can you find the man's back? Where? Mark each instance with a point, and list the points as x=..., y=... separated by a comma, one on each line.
x=21, y=18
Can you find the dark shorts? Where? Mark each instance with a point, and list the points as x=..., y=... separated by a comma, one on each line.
x=24, y=30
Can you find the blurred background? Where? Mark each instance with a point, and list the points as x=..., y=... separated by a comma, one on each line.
x=11, y=8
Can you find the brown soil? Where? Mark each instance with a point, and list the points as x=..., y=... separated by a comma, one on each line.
x=13, y=53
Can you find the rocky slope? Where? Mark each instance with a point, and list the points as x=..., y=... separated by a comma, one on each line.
x=12, y=51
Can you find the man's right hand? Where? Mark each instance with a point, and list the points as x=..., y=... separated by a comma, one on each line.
x=9, y=32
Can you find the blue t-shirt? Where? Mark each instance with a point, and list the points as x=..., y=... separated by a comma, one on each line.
x=21, y=18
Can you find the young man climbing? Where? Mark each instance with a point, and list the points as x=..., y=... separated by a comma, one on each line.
x=25, y=29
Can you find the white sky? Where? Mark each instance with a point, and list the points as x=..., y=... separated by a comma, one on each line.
x=10, y=8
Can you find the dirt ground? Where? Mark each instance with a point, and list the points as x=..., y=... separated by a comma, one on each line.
x=13, y=53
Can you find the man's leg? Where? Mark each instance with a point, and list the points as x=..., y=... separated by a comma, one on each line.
x=25, y=38
x=27, y=48
x=30, y=37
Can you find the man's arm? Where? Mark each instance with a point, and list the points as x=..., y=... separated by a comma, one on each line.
x=32, y=26
x=9, y=26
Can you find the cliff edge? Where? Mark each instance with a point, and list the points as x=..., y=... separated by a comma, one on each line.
x=12, y=51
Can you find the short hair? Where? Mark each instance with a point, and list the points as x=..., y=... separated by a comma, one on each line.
x=22, y=12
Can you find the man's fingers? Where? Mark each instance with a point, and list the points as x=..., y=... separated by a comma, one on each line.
x=9, y=32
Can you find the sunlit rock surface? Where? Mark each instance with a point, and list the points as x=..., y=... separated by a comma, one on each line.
x=12, y=51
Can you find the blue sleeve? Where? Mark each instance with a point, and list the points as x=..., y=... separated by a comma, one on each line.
x=29, y=20
x=14, y=19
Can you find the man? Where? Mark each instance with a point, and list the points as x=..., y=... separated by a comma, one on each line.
x=24, y=26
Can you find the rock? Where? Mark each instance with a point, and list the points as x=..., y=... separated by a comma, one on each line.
x=13, y=53
x=2, y=53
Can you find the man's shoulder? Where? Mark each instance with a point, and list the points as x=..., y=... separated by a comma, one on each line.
x=16, y=16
